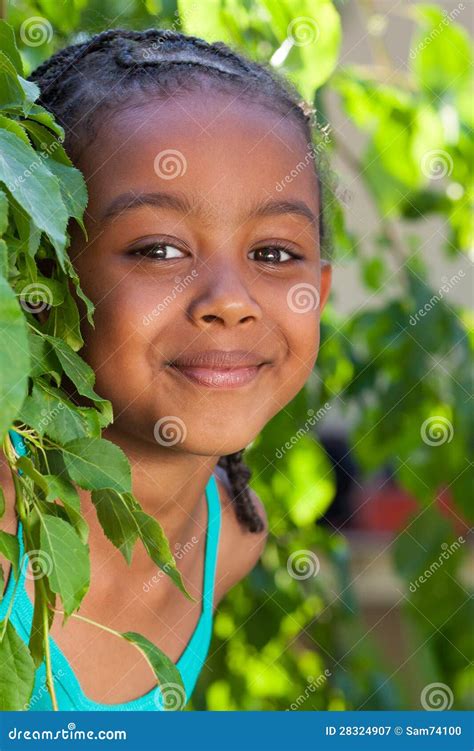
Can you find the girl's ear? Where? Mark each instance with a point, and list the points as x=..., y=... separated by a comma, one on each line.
x=326, y=278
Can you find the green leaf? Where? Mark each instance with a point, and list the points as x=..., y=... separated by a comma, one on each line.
x=117, y=520
x=71, y=181
x=81, y=374
x=27, y=467
x=3, y=259
x=2, y=503
x=14, y=357
x=165, y=670
x=8, y=45
x=95, y=464
x=14, y=127
x=29, y=236
x=157, y=546
x=50, y=413
x=36, y=642
x=64, y=322
x=316, y=31
x=11, y=91
x=3, y=214
x=59, y=488
x=440, y=53
x=374, y=272
x=10, y=549
x=89, y=305
x=44, y=117
x=17, y=670
x=35, y=189
x=43, y=359
x=68, y=560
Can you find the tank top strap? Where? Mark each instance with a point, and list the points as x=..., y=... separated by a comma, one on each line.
x=212, y=543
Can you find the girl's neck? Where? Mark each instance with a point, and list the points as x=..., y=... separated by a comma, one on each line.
x=168, y=484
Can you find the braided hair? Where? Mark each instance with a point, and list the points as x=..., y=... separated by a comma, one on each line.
x=118, y=65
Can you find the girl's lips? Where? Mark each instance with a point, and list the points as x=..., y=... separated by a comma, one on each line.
x=220, y=378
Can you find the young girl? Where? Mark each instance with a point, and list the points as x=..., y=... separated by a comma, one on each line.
x=203, y=262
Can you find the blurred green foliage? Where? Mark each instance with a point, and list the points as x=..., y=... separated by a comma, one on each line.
x=276, y=635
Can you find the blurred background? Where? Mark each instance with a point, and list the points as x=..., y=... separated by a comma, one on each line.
x=363, y=597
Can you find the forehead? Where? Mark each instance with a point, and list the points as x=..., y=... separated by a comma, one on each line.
x=230, y=151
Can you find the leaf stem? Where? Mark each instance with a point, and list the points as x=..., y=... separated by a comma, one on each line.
x=89, y=620
x=24, y=518
x=47, y=651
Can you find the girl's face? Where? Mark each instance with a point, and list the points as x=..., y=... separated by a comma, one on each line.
x=203, y=235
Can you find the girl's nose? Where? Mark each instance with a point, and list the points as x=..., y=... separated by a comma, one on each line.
x=222, y=299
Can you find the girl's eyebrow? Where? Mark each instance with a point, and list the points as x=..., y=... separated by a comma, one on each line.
x=179, y=202
x=132, y=200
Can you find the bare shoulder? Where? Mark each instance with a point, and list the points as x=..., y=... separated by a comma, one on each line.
x=239, y=549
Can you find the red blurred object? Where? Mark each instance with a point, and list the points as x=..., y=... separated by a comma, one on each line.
x=383, y=506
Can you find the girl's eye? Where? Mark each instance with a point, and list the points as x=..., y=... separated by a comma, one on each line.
x=159, y=252
x=275, y=254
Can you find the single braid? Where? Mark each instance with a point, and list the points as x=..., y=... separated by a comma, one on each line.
x=79, y=81
x=239, y=474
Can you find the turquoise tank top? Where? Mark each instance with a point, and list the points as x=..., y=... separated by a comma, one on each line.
x=69, y=693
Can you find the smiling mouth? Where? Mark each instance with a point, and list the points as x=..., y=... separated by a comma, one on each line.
x=219, y=378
